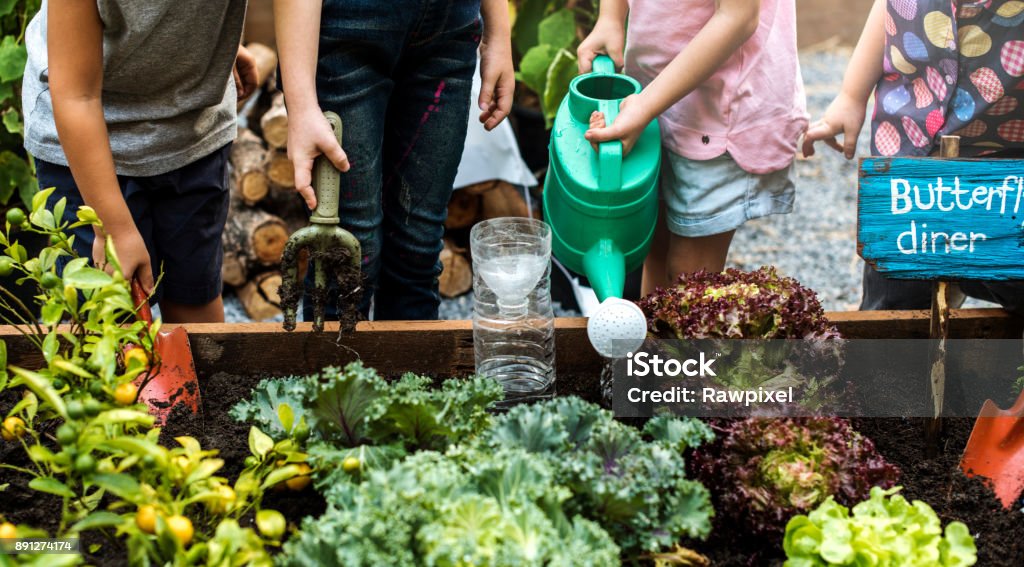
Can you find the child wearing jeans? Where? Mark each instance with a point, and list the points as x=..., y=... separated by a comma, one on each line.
x=723, y=80
x=400, y=75
x=936, y=68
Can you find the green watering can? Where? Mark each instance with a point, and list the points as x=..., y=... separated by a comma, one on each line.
x=603, y=206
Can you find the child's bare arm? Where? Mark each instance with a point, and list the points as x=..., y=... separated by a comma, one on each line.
x=297, y=25
x=846, y=113
x=497, y=74
x=608, y=36
x=733, y=23
x=75, y=52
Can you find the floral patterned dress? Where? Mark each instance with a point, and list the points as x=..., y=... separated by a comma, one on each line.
x=951, y=67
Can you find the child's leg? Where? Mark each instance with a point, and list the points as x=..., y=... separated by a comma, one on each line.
x=688, y=255
x=656, y=264
x=426, y=131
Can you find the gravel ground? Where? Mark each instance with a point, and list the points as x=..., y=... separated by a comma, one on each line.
x=816, y=244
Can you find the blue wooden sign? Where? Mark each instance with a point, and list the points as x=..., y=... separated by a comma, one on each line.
x=935, y=218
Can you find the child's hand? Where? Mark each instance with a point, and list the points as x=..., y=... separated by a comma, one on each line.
x=131, y=253
x=245, y=73
x=498, y=79
x=608, y=38
x=627, y=126
x=309, y=136
x=844, y=116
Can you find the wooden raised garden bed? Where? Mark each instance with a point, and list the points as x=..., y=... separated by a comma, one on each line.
x=230, y=358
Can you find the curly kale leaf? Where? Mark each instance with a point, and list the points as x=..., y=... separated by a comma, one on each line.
x=422, y=418
x=273, y=399
x=461, y=508
x=635, y=489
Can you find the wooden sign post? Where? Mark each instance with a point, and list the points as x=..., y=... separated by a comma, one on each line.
x=942, y=219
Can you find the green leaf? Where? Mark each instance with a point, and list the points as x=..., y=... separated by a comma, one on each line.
x=259, y=442
x=533, y=69
x=136, y=446
x=88, y=278
x=15, y=173
x=40, y=198
x=558, y=30
x=52, y=313
x=556, y=85
x=6, y=6
x=13, y=57
x=206, y=469
x=528, y=18
x=28, y=189
x=12, y=121
x=43, y=218
x=98, y=520
x=41, y=386
x=280, y=475
x=50, y=346
x=121, y=485
x=111, y=417
x=50, y=486
x=87, y=214
x=74, y=265
x=286, y=415
x=3, y=365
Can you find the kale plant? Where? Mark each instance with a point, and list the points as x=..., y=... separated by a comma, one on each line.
x=764, y=471
x=632, y=483
x=464, y=508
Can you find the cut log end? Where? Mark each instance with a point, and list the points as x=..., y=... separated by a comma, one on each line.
x=280, y=170
x=274, y=123
x=268, y=242
x=260, y=298
x=463, y=209
x=252, y=186
x=457, y=274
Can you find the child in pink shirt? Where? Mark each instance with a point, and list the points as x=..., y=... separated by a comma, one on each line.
x=723, y=80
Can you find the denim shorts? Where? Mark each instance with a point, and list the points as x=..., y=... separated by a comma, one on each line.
x=180, y=214
x=703, y=198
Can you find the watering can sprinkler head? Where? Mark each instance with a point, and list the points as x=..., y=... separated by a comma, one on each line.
x=333, y=251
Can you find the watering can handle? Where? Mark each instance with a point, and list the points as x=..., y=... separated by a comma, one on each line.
x=609, y=154
x=327, y=181
x=603, y=65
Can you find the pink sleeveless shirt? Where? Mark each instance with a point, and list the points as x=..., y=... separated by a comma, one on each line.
x=753, y=107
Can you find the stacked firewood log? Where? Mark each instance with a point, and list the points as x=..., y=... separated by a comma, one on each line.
x=265, y=209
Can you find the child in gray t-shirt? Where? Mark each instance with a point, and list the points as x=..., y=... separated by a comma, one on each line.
x=130, y=108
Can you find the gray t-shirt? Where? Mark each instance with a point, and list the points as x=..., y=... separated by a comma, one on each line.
x=168, y=94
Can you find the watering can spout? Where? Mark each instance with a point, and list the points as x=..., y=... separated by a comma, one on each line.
x=605, y=267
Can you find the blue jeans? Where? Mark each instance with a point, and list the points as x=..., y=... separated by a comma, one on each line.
x=400, y=75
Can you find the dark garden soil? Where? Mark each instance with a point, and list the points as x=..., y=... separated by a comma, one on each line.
x=999, y=533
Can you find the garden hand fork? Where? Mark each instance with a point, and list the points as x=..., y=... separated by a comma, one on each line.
x=333, y=251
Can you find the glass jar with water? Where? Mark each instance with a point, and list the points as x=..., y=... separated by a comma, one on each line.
x=513, y=322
